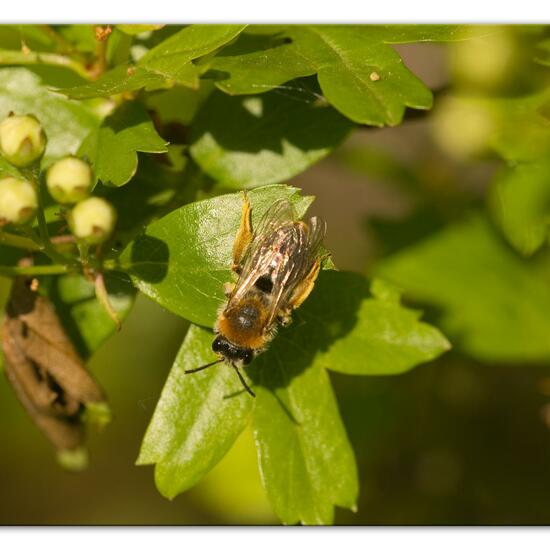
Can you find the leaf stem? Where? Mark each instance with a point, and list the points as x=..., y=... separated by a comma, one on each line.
x=44, y=242
x=9, y=239
x=13, y=57
x=52, y=269
x=103, y=298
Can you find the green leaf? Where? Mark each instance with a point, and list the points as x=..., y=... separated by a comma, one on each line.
x=183, y=259
x=83, y=317
x=494, y=306
x=167, y=63
x=306, y=461
x=516, y=128
x=520, y=130
x=197, y=418
x=112, y=148
x=520, y=201
x=251, y=141
x=360, y=75
x=138, y=29
x=35, y=37
x=355, y=332
x=127, y=78
x=543, y=54
x=66, y=122
x=178, y=104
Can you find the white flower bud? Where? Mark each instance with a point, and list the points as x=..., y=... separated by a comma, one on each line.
x=92, y=220
x=18, y=201
x=22, y=140
x=69, y=180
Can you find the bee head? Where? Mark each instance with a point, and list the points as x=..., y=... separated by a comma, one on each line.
x=232, y=352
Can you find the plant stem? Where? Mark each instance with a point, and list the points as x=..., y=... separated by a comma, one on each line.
x=46, y=245
x=65, y=46
x=16, y=241
x=102, y=34
x=12, y=57
x=52, y=269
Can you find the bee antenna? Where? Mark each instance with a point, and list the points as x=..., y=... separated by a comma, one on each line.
x=190, y=371
x=243, y=382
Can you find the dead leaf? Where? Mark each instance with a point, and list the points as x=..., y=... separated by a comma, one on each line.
x=44, y=368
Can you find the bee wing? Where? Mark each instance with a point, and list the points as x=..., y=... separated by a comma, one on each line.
x=298, y=264
x=259, y=254
x=317, y=231
x=282, y=250
x=281, y=211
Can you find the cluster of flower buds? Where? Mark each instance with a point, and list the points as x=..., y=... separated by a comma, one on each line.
x=22, y=143
x=92, y=219
x=69, y=182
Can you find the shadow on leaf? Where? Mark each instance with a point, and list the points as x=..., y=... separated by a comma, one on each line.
x=149, y=258
x=291, y=114
x=328, y=315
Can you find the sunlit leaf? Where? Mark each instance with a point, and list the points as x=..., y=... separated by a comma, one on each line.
x=359, y=73
x=66, y=122
x=112, y=148
x=183, y=259
x=167, y=63
x=196, y=420
x=251, y=141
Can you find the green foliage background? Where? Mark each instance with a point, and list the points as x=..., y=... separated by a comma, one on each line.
x=446, y=213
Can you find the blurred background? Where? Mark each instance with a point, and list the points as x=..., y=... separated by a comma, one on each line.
x=464, y=439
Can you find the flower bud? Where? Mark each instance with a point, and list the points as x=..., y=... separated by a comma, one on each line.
x=22, y=140
x=69, y=180
x=92, y=220
x=18, y=201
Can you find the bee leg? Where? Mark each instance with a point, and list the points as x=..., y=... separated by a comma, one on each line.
x=303, y=290
x=228, y=289
x=244, y=235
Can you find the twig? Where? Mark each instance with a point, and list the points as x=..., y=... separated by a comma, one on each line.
x=103, y=298
x=46, y=245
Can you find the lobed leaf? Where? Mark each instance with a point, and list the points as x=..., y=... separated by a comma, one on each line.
x=359, y=73
x=493, y=306
x=306, y=461
x=112, y=148
x=167, y=63
x=357, y=332
x=197, y=418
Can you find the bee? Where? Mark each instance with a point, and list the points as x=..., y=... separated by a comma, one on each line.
x=276, y=265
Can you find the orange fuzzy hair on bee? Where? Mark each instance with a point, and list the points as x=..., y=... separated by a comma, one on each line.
x=244, y=325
